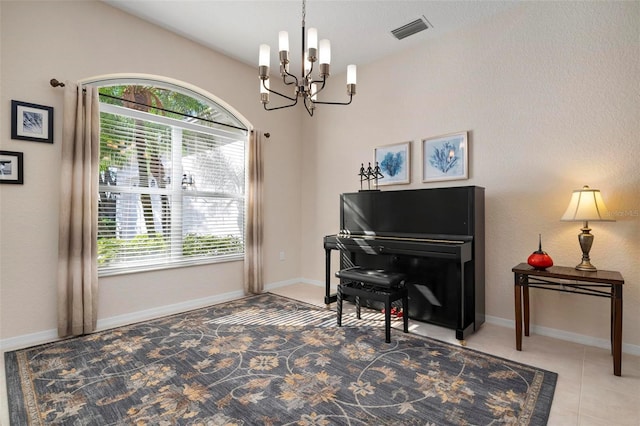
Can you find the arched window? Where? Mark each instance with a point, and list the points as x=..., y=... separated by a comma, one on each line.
x=172, y=178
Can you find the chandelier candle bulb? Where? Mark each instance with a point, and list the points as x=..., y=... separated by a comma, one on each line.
x=325, y=51
x=325, y=57
x=314, y=92
x=312, y=44
x=265, y=53
x=264, y=91
x=264, y=61
x=351, y=74
x=351, y=80
x=283, y=43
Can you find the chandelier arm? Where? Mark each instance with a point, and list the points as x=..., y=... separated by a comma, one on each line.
x=309, y=110
x=284, y=78
x=288, y=83
x=307, y=77
x=323, y=81
x=335, y=103
x=278, y=93
x=280, y=107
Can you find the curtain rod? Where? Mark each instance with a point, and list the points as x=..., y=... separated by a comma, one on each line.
x=56, y=83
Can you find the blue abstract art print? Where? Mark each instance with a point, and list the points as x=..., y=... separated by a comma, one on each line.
x=394, y=162
x=445, y=157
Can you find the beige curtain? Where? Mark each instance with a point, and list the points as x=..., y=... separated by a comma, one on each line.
x=253, y=283
x=77, y=251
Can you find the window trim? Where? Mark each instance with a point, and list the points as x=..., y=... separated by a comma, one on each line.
x=167, y=83
x=172, y=265
x=201, y=95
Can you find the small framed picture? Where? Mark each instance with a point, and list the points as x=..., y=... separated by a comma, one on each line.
x=394, y=162
x=445, y=157
x=11, y=167
x=31, y=122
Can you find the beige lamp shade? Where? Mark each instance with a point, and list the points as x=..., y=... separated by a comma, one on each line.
x=586, y=204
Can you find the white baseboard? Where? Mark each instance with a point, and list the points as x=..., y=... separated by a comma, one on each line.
x=27, y=340
x=161, y=311
x=565, y=335
x=48, y=336
x=312, y=282
x=285, y=283
x=544, y=331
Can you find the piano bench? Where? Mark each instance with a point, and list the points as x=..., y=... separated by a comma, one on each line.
x=376, y=285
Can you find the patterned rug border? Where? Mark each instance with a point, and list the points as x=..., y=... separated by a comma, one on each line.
x=17, y=409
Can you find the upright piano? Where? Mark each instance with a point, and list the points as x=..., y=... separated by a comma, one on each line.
x=435, y=236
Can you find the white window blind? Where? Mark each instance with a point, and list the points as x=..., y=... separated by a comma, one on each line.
x=171, y=191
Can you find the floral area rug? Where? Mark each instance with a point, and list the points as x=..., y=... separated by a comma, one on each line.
x=268, y=360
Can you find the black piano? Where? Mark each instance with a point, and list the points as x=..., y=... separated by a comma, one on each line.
x=435, y=236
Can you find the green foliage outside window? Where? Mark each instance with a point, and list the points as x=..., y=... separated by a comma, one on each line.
x=110, y=249
x=211, y=245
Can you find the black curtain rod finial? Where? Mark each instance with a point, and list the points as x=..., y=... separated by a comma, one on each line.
x=56, y=83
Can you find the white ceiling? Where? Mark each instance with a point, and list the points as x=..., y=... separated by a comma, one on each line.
x=359, y=30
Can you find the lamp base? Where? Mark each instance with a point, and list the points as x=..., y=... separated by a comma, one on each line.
x=585, y=265
x=586, y=240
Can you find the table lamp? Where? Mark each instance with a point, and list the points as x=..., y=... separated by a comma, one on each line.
x=586, y=205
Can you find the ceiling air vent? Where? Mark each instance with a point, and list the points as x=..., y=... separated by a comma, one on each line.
x=410, y=29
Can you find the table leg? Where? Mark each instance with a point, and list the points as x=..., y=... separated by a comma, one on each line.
x=613, y=315
x=518, y=303
x=617, y=331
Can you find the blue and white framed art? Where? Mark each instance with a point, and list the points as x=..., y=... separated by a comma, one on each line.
x=31, y=122
x=394, y=162
x=445, y=157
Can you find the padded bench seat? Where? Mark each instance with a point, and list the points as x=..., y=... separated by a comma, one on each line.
x=375, y=277
x=374, y=284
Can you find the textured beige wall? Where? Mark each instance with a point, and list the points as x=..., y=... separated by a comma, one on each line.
x=550, y=93
x=77, y=40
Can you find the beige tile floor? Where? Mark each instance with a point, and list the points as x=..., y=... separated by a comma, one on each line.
x=587, y=392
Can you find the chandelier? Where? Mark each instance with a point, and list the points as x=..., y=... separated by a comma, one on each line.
x=307, y=86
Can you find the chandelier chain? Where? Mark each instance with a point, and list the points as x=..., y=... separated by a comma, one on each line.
x=304, y=11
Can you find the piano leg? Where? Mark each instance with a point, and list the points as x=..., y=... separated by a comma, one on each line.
x=339, y=309
x=462, y=332
x=328, y=297
x=461, y=335
x=405, y=310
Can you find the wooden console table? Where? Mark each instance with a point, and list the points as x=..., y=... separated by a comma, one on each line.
x=570, y=280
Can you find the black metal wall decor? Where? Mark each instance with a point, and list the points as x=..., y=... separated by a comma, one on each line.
x=370, y=174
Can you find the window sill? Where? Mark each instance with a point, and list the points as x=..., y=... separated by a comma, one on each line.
x=172, y=265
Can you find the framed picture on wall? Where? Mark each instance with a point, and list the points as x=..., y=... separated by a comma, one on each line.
x=394, y=162
x=11, y=167
x=445, y=157
x=31, y=122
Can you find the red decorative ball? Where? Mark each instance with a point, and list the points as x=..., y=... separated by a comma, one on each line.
x=540, y=259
